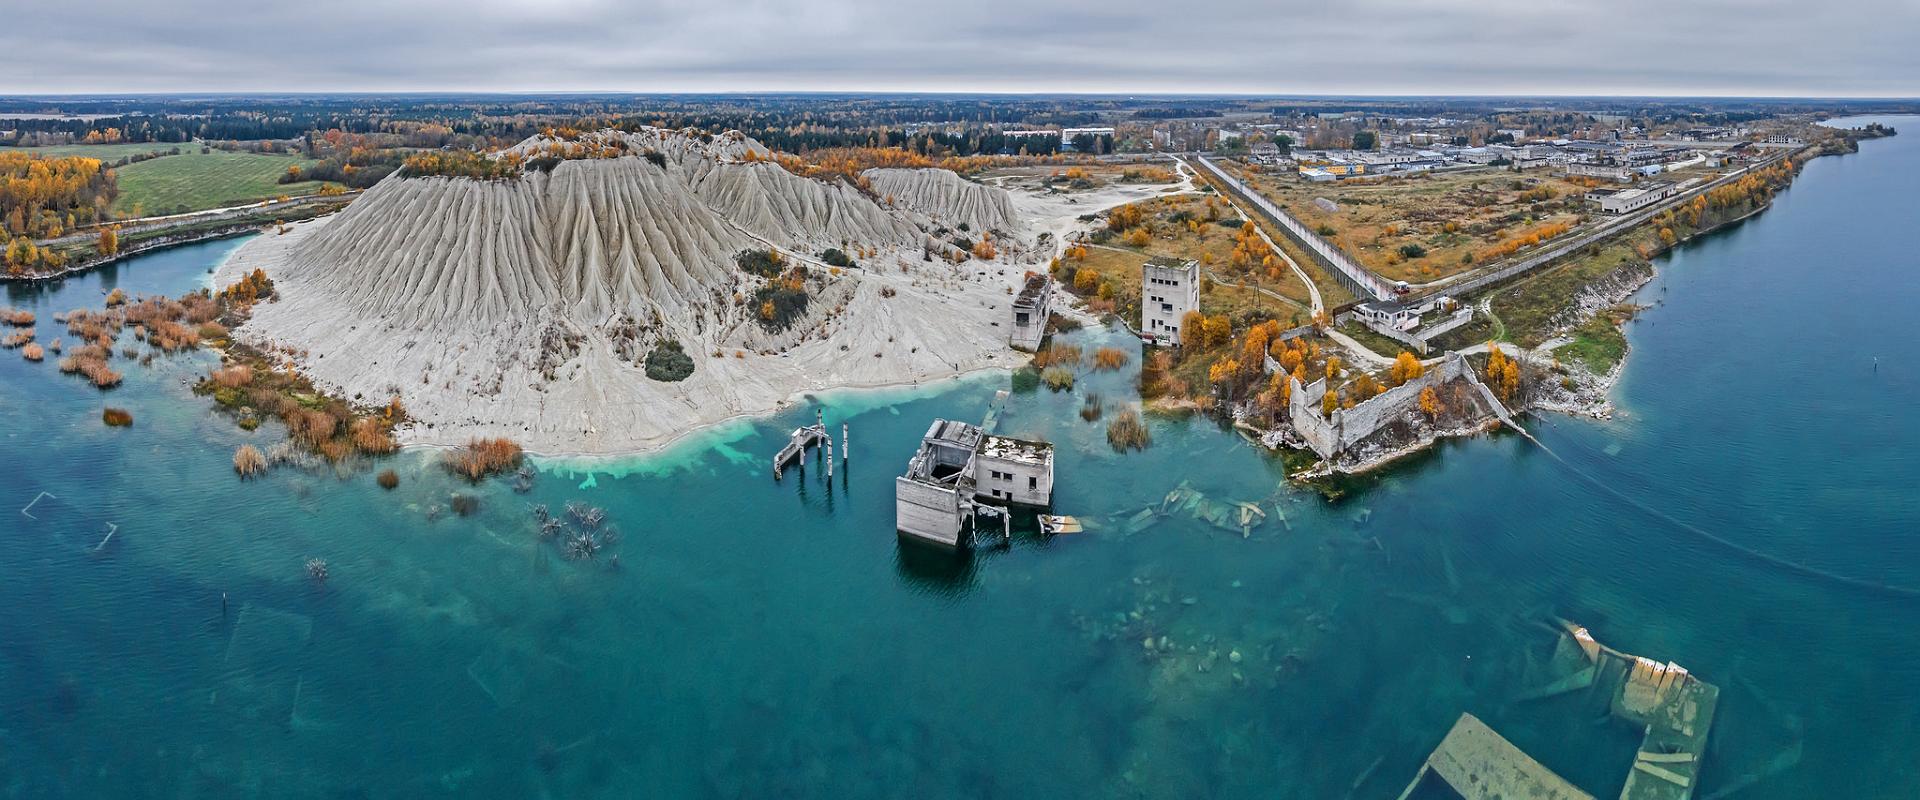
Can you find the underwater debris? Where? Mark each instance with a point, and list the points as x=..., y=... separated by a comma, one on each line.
x=388, y=479
x=317, y=569
x=586, y=515
x=581, y=545
x=464, y=504
x=523, y=480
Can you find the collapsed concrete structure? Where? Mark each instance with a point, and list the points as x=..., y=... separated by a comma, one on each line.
x=1673, y=708
x=961, y=473
x=1333, y=435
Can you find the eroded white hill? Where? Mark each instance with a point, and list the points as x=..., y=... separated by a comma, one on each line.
x=524, y=306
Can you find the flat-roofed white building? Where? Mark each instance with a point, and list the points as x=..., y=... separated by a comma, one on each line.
x=1627, y=201
x=1168, y=290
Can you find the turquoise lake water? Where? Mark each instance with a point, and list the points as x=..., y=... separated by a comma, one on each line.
x=757, y=639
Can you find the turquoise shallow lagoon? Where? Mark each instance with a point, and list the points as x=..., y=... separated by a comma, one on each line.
x=762, y=639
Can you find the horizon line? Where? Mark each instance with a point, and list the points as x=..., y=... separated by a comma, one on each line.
x=100, y=94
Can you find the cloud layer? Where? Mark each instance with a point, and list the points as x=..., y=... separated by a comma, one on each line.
x=1738, y=47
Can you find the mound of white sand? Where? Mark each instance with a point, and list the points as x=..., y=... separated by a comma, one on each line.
x=946, y=197
x=525, y=307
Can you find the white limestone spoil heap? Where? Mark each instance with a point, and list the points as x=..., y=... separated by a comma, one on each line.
x=946, y=197
x=525, y=306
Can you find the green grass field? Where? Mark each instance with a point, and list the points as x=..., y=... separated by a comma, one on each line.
x=192, y=182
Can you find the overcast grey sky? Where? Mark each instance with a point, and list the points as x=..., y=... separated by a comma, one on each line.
x=1740, y=47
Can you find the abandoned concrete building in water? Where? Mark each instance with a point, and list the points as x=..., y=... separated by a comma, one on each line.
x=1030, y=311
x=962, y=473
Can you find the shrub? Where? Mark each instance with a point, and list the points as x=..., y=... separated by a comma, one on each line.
x=388, y=479
x=248, y=461
x=1413, y=250
x=479, y=458
x=116, y=417
x=764, y=263
x=1126, y=432
x=834, y=256
x=1057, y=378
x=668, y=362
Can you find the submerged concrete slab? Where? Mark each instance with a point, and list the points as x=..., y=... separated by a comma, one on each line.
x=1479, y=764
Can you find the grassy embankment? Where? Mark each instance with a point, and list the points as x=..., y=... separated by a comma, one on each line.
x=1546, y=304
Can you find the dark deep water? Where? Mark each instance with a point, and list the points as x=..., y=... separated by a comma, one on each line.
x=763, y=640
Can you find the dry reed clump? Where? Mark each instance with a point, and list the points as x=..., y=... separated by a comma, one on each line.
x=213, y=330
x=91, y=362
x=1059, y=355
x=1092, y=408
x=1109, y=358
x=388, y=479
x=1127, y=432
x=18, y=338
x=16, y=317
x=116, y=297
x=1057, y=378
x=57, y=346
x=311, y=428
x=248, y=461
x=116, y=417
x=370, y=435
x=170, y=336
x=482, y=457
x=233, y=377
x=32, y=352
x=334, y=450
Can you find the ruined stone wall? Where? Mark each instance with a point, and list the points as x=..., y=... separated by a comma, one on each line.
x=1329, y=437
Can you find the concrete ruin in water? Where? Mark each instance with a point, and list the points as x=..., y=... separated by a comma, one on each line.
x=1673, y=707
x=960, y=474
x=1031, y=308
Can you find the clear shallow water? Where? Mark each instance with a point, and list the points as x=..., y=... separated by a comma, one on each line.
x=761, y=639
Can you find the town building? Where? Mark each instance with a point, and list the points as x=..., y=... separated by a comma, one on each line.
x=1387, y=314
x=1031, y=309
x=1168, y=290
x=1612, y=172
x=961, y=473
x=1627, y=201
